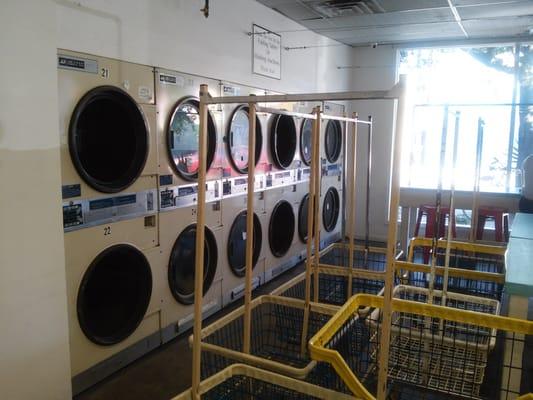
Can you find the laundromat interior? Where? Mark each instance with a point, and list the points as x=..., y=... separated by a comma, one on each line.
x=266, y=199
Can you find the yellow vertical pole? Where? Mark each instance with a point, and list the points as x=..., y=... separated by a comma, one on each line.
x=383, y=364
x=310, y=230
x=249, y=229
x=351, y=211
x=199, y=254
x=318, y=173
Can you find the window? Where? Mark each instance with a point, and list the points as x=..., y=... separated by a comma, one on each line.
x=492, y=86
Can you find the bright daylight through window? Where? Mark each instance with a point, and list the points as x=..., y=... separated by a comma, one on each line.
x=491, y=85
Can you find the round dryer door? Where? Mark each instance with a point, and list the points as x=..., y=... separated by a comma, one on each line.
x=237, y=140
x=181, y=265
x=281, y=228
x=330, y=209
x=108, y=139
x=237, y=243
x=182, y=138
x=283, y=141
x=303, y=211
x=114, y=294
x=333, y=140
x=306, y=141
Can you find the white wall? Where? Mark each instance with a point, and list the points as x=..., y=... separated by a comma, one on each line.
x=174, y=34
x=374, y=69
x=34, y=358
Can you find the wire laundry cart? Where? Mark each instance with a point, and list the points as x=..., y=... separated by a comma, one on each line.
x=277, y=344
x=271, y=332
x=345, y=268
x=476, y=269
x=243, y=382
x=372, y=258
x=435, y=351
x=337, y=283
x=333, y=285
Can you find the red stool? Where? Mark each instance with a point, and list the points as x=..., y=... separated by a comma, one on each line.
x=430, y=212
x=501, y=222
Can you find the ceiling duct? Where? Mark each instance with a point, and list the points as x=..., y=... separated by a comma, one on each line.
x=345, y=8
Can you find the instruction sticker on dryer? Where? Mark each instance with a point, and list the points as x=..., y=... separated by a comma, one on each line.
x=167, y=79
x=266, y=52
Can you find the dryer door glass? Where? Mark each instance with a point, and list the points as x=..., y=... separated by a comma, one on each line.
x=306, y=141
x=108, y=139
x=303, y=211
x=283, y=141
x=330, y=209
x=281, y=228
x=333, y=140
x=237, y=243
x=114, y=294
x=181, y=265
x=182, y=139
x=237, y=140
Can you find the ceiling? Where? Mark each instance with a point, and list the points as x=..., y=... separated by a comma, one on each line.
x=365, y=22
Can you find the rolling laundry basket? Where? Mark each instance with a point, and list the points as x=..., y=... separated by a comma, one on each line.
x=243, y=382
x=436, y=352
x=276, y=339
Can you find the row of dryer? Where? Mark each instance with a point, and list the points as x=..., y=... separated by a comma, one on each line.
x=129, y=158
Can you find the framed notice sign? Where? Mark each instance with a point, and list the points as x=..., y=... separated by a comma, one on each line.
x=266, y=52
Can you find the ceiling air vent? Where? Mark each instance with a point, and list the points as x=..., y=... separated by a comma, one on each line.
x=345, y=8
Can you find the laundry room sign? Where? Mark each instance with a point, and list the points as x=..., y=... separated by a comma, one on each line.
x=266, y=52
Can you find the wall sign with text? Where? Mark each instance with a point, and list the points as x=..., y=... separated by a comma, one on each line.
x=266, y=52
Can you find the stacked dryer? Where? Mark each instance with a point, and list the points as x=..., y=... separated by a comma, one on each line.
x=109, y=188
x=177, y=138
x=305, y=126
x=332, y=167
x=287, y=185
x=234, y=191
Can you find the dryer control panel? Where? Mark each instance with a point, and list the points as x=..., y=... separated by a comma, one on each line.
x=331, y=169
x=173, y=197
x=239, y=185
x=282, y=178
x=303, y=174
x=78, y=214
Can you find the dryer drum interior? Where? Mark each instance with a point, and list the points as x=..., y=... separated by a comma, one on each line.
x=306, y=140
x=330, y=209
x=333, y=140
x=281, y=228
x=114, y=294
x=303, y=211
x=283, y=141
x=237, y=139
x=108, y=139
x=182, y=138
x=181, y=264
x=237, y=243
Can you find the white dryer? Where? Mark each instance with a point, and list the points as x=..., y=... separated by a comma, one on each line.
x=108, y=142
x=114, y=286
x=332, y=174
x=234, y=212
x=235, y=122
x=178, y=244
x=282, y=143
x=281, y=206
x=178, y=122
